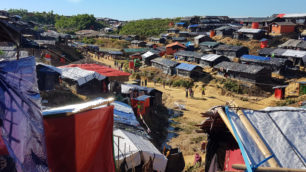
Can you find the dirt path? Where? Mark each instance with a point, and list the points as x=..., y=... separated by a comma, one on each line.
x=188, y=140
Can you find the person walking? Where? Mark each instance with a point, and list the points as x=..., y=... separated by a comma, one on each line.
x=186, y=93
x=203, y=90
x=146, y=82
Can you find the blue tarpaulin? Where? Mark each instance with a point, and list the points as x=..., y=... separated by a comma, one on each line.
x=20, y=112
x=180, y=23
x=256, y=57
x=193, y=25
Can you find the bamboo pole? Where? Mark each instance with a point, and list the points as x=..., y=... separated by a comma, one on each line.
x=268, y=169
x=257, y=139
x=226, y=121
x=107, y=102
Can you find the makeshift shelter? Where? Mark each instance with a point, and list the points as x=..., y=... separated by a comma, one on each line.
x=292, y=44
x=266, y=52
x=297, y=57
x=249, y=34
x=22, y=132
x=135, y=50
x=167, y=66
x=141, y=104
x=200, y=38
x=137, y=43
x=189, y=70
x=47, y=76
x=231, y=50
x=212, y=59
x=273, y=64
x=148, y=56
x=124, y=114
x=82, y=81
x=133, y=150
x=279, y=28
x=208, y=46
x=174, y=47
x=183, y=34
x=189, y=56
x=134, y=91
x=225, y=30
x=271, y=138
x=279, y=91
x=110, y=73
x=79, y=137
x=250, y=73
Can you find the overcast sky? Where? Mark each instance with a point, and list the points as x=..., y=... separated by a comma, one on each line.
x=139, y=9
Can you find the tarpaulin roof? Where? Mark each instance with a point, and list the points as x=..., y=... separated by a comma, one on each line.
x=291, y=43
x=12, y=55
x=295, y=15
x=224, y=47
x=22, y=124
x=263, y=60
x=165, y=62
x=282, y=130
x=209, y=44
x=186, y=66
x=180, y=23
x=237, y=67
x=102, y=70
x=243, y=30
x=188, y=54
x=79, y=75
x=193, y=25
x=136, y=149
x=142, y=98
x=58, y=70
x=135, y=50
x=289, y=53
x=210, y=57
x=125, y=88
x=147, y=54
x=179, y=38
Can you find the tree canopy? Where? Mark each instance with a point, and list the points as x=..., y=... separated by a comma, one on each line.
x=38, y=17
x=147, y=27
x=78, y=22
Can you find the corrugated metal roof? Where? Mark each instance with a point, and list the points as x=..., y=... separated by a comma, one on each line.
x=229, y=47
x=186, y=66
x=210, y=57
x=244, y=30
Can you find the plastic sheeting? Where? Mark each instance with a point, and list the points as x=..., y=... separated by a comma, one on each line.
x=135, y=149
x=270, y=123
x=80, y=75
x=80, y=142
x=22, y=129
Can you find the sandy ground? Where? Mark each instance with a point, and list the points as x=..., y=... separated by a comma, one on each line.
x=188, y=140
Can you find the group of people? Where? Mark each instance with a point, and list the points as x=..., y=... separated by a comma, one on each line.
x=190, y=92
x=144, y=83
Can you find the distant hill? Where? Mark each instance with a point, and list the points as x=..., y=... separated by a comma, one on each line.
x=147, y=27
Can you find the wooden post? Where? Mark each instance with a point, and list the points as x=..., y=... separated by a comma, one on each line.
x=226, y=121
x=257, y=139
x=268, y=169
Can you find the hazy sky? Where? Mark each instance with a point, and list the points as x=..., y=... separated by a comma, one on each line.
x=138, y=9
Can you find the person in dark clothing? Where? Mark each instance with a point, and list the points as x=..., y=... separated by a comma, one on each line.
x=164, y=84
x=146, y=82
x=186, y=93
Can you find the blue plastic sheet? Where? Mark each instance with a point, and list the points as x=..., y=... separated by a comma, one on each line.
x=20, y=112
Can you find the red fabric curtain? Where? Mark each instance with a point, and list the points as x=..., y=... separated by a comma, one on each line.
x=81, y=142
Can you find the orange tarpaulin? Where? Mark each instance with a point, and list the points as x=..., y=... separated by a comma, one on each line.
x=81, y=142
